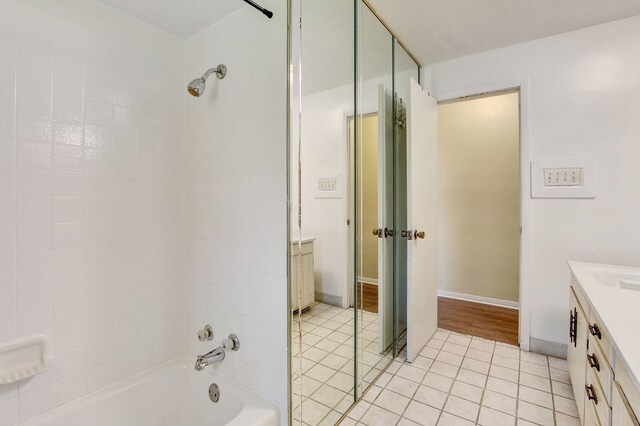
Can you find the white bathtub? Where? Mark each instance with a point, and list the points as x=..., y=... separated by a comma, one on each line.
x=172, y=394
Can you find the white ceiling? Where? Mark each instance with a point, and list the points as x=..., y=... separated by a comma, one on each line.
x=182, y=18
x=437, y=30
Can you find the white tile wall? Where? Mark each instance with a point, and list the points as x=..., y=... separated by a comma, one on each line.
x=91, y=190
x=236, y=197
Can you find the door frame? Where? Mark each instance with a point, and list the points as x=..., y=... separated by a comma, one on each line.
x=347, y=115
x=523, y=86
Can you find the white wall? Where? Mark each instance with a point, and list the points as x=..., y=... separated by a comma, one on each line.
x=584, y=90
x=479, y=196
x=236, y=197
x=91, y=167
x=325, y=149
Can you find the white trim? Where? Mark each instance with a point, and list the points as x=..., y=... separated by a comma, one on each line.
x=524, y=329
x=479, y=299
x=366, y=280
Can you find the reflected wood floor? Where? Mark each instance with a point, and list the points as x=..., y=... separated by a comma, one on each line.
x=477, y=319
x=369, y=300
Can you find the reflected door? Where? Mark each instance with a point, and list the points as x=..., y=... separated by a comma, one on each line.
x=422, y=219
x=385, y=218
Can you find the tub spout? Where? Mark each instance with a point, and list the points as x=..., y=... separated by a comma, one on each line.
x=216, y=355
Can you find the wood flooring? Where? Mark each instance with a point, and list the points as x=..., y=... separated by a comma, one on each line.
x=477, y=319
x=369, y=299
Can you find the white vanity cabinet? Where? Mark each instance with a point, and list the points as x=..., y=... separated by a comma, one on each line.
x=606, y=393
x=576, y=359
x=302, y=272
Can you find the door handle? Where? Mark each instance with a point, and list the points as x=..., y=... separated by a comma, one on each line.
x=388, y=232
x=377, y=232
x=418, y=234
x=406, y=234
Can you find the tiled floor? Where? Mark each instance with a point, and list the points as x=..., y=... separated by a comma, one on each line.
x=464, y=380
x=327, y=378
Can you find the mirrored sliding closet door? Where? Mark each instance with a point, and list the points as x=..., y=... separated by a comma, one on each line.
x=347, y=303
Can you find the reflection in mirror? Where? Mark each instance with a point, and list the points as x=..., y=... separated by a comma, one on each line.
x=374, y=197
x=323, y=333
x=348, y=306
x=405, y=69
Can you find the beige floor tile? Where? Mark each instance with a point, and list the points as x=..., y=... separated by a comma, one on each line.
x=467, y=391
x=565, y=406
x=499, y=402
x=534, y=358
x=376, y=416
x=422, y=414
x=535, y=396
x=559, y=364
x=505, y=361
x=358, y=410
x=506, y=351
x=431, y=396
x=560, y=375
x=392, y=401
x=402, y=386
x=535, y=369
x=459, y=339
x=462, y=408
x=535, y=413
x=372, y=393
x=328, y=396
x=447, y=419
x=444, y=369
x=408, y=371
x=437, y=381
x=564, y=420
x=491, y=417
x=472, y=377
x=449, y=358
x=535, y=382
x=476, y=365
x=422, y=362
x=479, y=355
x=313, y=412
x=406, y=422
x=482, y=344
x=320, y=373
x=454, y=348
x=503, y=373
x=562, y=389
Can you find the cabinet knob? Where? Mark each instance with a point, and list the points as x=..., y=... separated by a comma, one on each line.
x=591, y=393
x=593, y=361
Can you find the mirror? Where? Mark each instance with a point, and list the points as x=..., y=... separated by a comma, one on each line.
x=322, y=255
x=346, y=205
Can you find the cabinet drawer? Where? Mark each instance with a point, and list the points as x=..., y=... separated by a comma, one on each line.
x=590, y=416
x=598, y=333
x=599, y=365
x=595, y=397
x=621, y=414
x=628, y=388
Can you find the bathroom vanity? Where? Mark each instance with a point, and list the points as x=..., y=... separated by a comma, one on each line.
x=604, y=343
x=302, y=274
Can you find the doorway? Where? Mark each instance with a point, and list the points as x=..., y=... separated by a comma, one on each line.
x=479, y=220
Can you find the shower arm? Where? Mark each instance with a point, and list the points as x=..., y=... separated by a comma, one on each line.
x=268, y=13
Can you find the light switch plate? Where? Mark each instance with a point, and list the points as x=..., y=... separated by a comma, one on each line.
x=328, y=185
x=563, y=178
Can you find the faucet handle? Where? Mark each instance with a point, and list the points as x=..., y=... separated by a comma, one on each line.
x=232, y=343
x=206, y=333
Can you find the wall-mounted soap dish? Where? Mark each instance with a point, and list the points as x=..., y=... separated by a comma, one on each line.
x=22, y=358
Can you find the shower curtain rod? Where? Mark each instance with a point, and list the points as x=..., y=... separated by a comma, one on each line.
x=260, y=8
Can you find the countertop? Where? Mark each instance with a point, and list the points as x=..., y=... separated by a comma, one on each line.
x=619, y=310
x=294, y=240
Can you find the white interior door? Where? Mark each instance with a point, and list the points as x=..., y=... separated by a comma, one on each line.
x=422, y=175
x=385, y=218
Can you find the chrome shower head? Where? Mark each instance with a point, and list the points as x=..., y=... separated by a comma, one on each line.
x=197, y=86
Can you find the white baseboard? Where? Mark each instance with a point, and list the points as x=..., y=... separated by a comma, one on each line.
x=372, y=281
x=479, y=299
